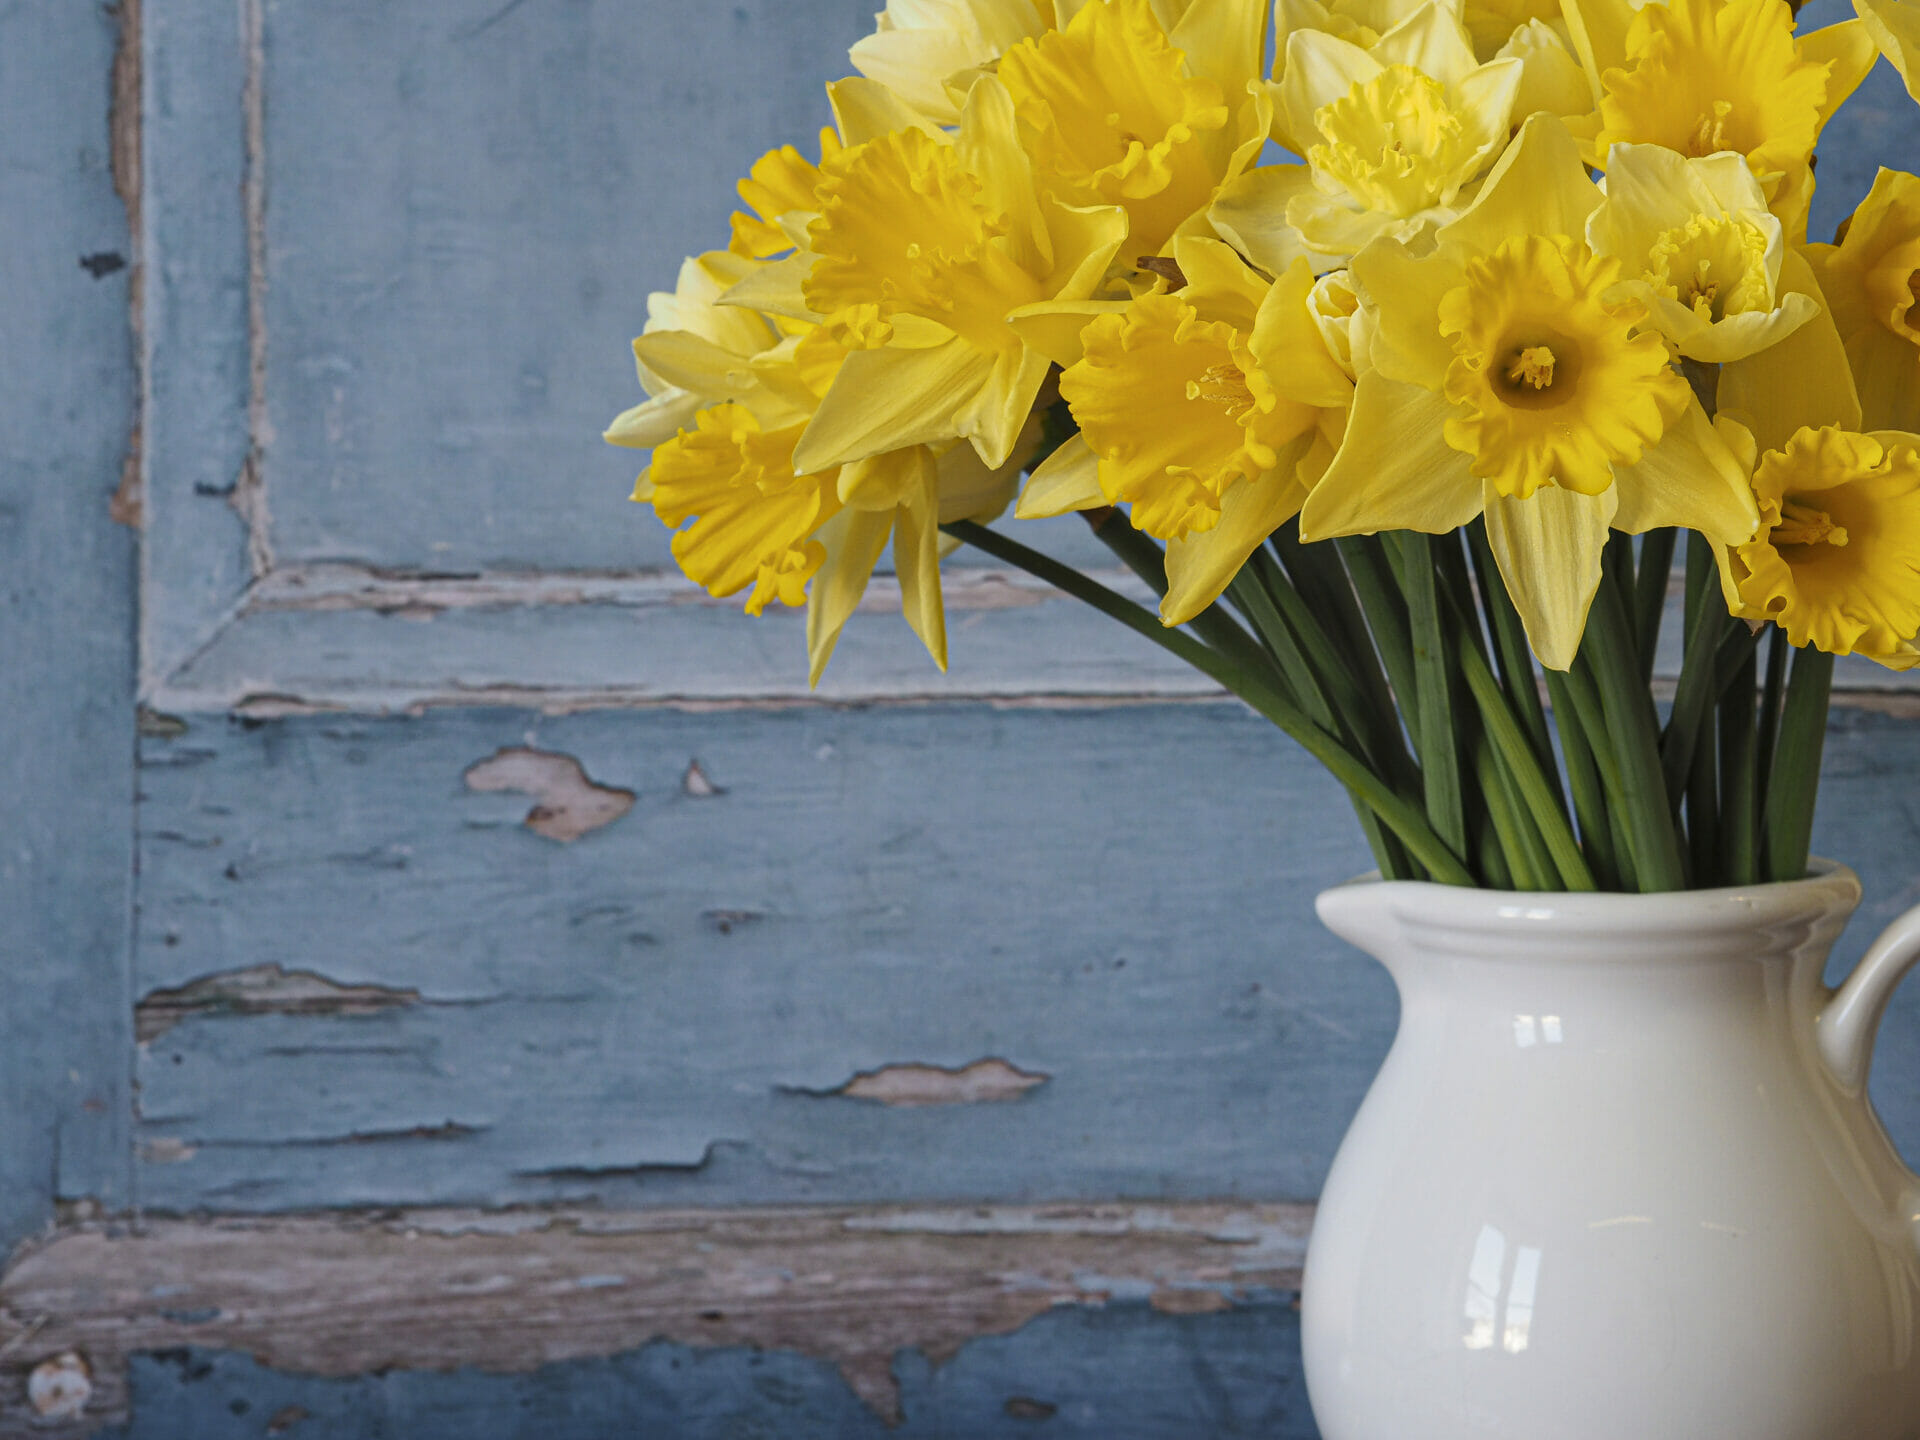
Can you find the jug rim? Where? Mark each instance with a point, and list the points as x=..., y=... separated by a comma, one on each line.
x=1829, y=889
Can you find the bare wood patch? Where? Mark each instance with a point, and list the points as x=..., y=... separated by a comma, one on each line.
x=983, y=1081
x=567, y=804
x=509, y=1291
x=262, y=990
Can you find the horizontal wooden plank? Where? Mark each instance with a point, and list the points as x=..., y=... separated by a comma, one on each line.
x=1112, y=902
x=343, y=638
x=66, y=620
x=892, y=1299
x=1115, y=900
x=349, y=638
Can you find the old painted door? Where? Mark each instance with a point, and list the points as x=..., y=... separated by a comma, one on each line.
x=437, y=937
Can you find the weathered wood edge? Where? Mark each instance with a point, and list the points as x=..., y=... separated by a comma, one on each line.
x=348, y=638
x=346, y=1293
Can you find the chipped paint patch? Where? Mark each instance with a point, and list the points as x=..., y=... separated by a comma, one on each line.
x=697, y=784
x=983, y=1082
x=566, y=805
x=59, y=1387
x=262, y=990
x=167, y=1150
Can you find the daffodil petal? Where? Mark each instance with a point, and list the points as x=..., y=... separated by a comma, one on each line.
x=1200, y=565
x=1407, y=344
x=1803, y=380
x=1895, y=27
x=854, y=540
x=775, y=289
x=1394, y=471
x=997, y=411
x=916, y=559
x=865, y=110
x=1734, y=337
x=1320, y=69
x=1053, y=327
x=1067, y=480
x=1288, y=343
x=1251, y=214
x=655, y=422
x=686, y=361
x=988, y=144
x=1548, y=548
x=1223, y=40
x=1538, y=187
x=1220, y=285
x=888, y=399
x=1431, y=41
x=1691, y=480
x=1851, y=49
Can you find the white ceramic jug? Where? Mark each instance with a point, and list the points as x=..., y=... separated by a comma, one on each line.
x=1618, y=1178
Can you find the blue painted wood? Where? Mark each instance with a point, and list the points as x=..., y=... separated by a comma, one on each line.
x=1122, y=1372
x=194, y=415
x=644, y=1014
x=66, y=644
x=1115, y=898
x=469, y=202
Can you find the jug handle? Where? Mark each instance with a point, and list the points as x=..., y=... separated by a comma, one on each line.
x=1851, y=1019
x=1847, y=1026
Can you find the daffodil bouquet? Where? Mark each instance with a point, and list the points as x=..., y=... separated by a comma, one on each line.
x=1370, y=338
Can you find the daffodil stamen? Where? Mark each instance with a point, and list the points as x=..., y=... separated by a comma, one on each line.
x=1532, y=366
x=1802, y=524
x=1710, y=134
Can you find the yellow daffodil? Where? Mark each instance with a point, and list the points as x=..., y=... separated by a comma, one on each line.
x=929, y=52
x=780, y=183
x=922, y=248
x=1702, y=76
x=1198, y=409
x=1836, y=560
x=732, y=392
x=1872, y=283
x=1698, y=246
x=1895, y=27
x=695, y=352
x=1392, y=136
x=756, y=517
x=1115, y=109
x=1509, y=378
x=1551, y=77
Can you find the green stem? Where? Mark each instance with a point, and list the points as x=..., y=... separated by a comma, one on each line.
x=1650, y=593
x=1436, y=742
x=1795, y=780
x=1776, y=688
x=1646, y=814
x=1694, y=694
x=1253, y=686
x=1510, y=644
x=1583, y=781
x=1739, y=811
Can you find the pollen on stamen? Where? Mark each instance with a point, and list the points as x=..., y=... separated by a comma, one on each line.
x=1532, y=367
x=1710, y=134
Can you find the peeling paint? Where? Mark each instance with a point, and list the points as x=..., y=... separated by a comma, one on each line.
x=348, y=1293
x=696, y=783
x=984, y=1081
x=567, y=804
x=262, y=990
x=127, y=506
x=167, y=1150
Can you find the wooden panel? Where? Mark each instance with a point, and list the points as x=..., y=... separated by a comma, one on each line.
x=469, y=202
x=883, y=1296
x=197, y=350
x=659, y=1011
x=66, y=619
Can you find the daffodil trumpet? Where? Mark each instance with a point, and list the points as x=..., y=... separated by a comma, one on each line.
x=1402, y=432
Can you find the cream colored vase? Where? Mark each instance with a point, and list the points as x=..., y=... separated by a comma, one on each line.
x=1618, y=1178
